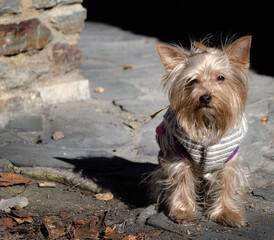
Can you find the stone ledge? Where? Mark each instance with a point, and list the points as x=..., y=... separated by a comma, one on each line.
x=65, y=92
x=44, y=96
x=67, y=176
x=19, y=101
x=51, y=3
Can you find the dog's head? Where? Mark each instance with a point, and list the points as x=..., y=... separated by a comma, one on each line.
x=207, y=87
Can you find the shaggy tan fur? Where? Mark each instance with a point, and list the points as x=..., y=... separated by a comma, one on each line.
x=226, y=195
x=179, y=184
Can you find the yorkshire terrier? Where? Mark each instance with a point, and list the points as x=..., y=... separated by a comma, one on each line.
x=201, y=132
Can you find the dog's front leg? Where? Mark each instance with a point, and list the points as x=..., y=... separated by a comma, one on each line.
x=226, y=192
x=180, y=191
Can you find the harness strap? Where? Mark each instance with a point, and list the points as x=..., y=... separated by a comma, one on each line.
x=182, y=151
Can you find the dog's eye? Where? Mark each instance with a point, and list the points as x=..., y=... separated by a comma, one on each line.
x=193, y=81
x=220, y=78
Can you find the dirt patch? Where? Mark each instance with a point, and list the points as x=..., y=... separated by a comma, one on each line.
x=66, y=212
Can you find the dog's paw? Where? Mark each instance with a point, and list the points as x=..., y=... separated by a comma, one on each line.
x=228, y=218
x=180, y=216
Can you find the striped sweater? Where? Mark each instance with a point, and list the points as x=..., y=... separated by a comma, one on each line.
x=173, y=142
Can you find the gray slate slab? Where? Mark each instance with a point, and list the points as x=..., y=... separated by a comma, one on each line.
x=266, y=193
x=31, y=155
x=26, y=123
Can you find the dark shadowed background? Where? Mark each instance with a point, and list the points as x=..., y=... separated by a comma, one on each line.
x=178, y=21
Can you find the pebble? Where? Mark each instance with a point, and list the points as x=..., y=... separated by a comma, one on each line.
x=58, y=135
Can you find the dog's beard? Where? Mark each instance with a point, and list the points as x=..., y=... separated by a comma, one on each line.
x=207, y=123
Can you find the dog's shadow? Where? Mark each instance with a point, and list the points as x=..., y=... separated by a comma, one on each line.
x=125, y=179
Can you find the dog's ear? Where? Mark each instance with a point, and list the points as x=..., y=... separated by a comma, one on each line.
x=239, y=51
x=170, y=57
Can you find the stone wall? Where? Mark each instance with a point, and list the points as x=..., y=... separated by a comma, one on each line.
x=39, y=55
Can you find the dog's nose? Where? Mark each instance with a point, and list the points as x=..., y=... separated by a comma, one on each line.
x=205, y=99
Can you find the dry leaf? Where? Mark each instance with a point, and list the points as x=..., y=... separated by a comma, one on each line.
x=130, y=237
x=23, y=220
x=108, y=231
x=127, y=66
x=112, y=233
x=99, y=90
x=10, y=179
x=6, y=223
x=86, y=231
x=104, y=196
x=265, y=119
x=79, y=222
x=91, y=229
x=55, y=228
x=141, y=236
x=58, y=135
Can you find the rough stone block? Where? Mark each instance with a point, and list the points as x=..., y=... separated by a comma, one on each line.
x=51, y=3
x=66, y=57
x=23, y=36
x=13, y=75
x=68, y=19
x=9, y=6
x=65, y=92
x=20, y=101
